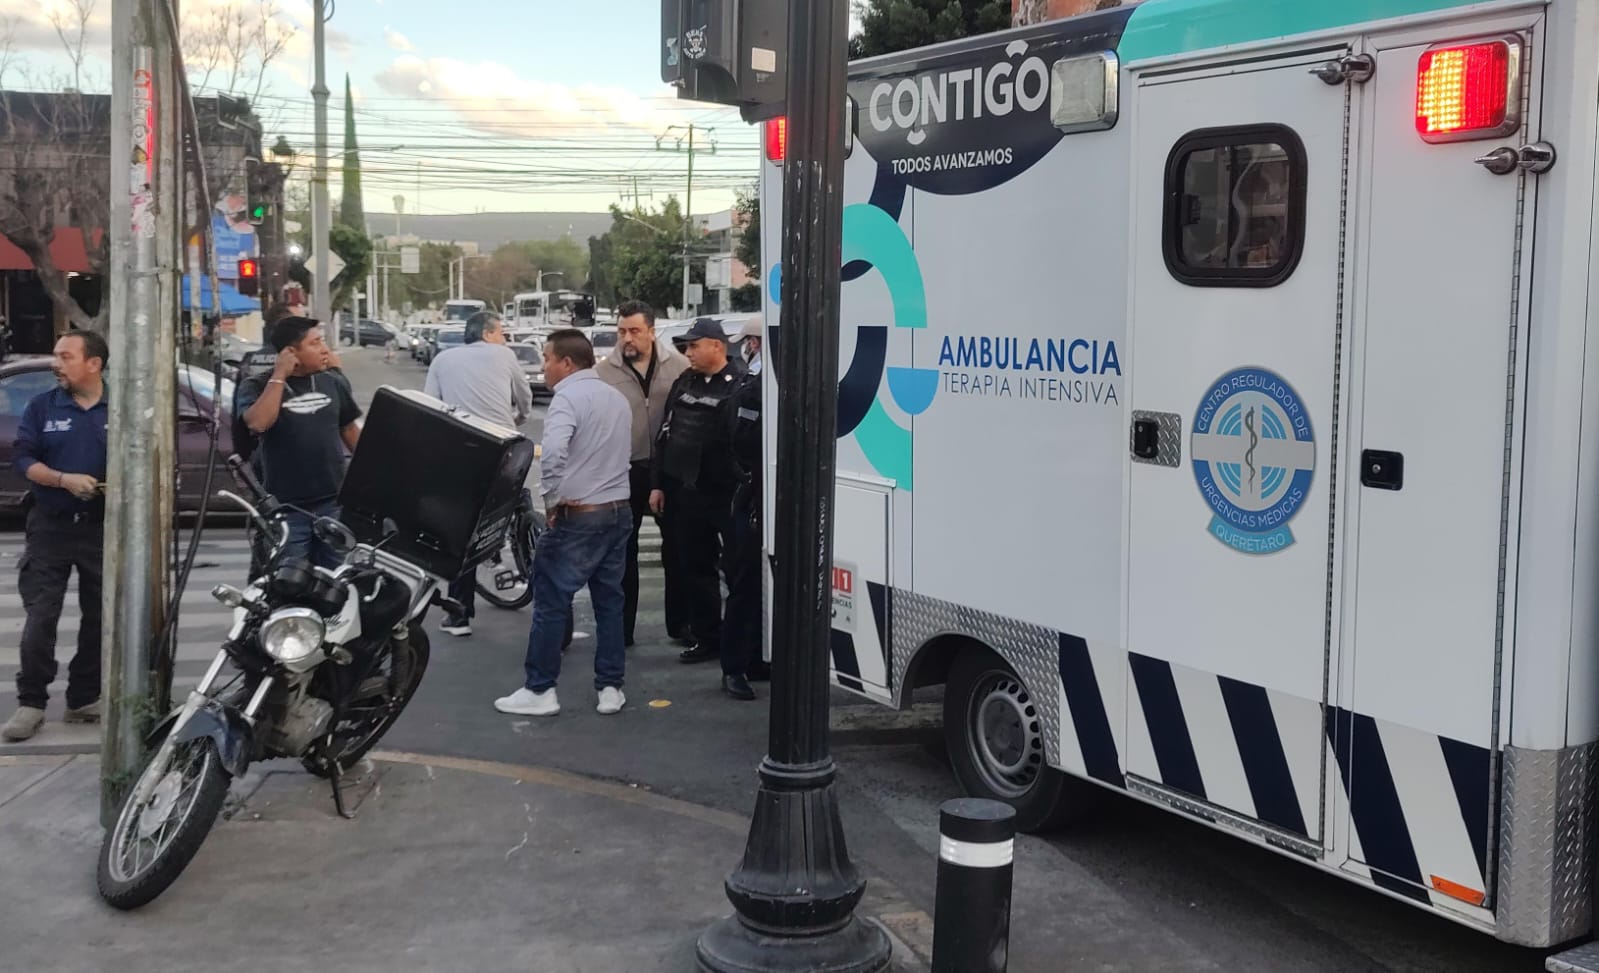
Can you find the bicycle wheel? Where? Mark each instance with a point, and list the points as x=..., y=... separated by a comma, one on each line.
x=505, y=580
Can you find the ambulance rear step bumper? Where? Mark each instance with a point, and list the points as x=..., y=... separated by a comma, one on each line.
x=1583, y=959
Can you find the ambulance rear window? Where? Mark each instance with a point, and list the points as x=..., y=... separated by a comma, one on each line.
x=1235, y=206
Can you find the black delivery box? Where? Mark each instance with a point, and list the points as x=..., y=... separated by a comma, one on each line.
x=448, y=481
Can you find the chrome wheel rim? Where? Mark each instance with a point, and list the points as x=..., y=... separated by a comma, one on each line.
x=1004, y=736
x=144, y=833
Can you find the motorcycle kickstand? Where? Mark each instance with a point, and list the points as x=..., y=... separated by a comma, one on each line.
x=336, y=775
x=336, y=778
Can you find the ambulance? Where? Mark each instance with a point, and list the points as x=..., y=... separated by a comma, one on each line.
x=1219, y=424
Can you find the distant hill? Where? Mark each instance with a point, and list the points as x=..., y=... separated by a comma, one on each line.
x=490, y=230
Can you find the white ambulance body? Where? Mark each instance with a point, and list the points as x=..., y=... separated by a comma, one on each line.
x=1219, y=423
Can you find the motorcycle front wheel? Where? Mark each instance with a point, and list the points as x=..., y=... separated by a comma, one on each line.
x=151, y=844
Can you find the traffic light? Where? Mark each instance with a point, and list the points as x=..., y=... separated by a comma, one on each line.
x=256, y=193
x=249, y=277
x=728, y=52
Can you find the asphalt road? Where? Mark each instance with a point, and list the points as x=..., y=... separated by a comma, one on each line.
x=1129, y=888
x=1132, y=887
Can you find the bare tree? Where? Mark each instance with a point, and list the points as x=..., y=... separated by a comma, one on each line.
x=233, y=45
x=55, y=170
x=71, y=21
x=55, y=176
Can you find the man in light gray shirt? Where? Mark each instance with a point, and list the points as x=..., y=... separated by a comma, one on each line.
x=483, y=378
x=588, y=440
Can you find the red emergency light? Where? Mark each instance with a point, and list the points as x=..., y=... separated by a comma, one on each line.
x=777, y=139
x=1469, y=91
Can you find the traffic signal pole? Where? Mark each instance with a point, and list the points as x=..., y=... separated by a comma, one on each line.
x=796, y=890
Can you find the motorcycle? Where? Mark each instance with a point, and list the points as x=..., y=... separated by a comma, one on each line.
x=322, y=664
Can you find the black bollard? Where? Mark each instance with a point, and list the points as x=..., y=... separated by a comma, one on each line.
x=971, y=911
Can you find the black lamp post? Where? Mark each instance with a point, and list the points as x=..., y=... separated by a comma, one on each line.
x=796, y=890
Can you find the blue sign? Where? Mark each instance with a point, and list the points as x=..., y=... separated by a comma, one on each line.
x=1254, y=454
x=233, y=238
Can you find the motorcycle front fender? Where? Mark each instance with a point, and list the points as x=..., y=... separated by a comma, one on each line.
x=224, y=725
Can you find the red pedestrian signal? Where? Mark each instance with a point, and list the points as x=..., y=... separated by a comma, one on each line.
x=249, y=278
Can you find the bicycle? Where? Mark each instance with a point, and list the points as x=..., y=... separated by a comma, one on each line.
x=505, y=578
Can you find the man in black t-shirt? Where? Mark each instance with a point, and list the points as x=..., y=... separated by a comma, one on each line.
x=305, y=416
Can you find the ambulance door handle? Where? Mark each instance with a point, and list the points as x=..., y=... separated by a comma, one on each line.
x=1381, y=469
x=1146, y=439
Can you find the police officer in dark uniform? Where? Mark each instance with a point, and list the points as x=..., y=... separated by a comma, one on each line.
x=741, y=644
x=694, y=476
x=61, y=449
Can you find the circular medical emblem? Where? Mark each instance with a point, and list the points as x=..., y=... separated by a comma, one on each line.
x=1254, y=455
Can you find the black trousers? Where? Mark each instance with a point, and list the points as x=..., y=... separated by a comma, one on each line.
x=55, y=545
x=464, y=590
x=701, y=525
x=678, y=618
x=741, y=631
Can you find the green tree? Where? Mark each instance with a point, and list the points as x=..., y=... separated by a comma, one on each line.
x=748, y=248
x=888, y=26
x=746, y=298
x=641, y=257
x=355, y=249
x=352, y=212
x=431, y=285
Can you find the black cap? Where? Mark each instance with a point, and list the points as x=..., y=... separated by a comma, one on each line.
x=705, y=328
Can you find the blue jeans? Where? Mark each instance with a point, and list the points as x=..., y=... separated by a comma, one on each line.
x=303, y=544
x=588, y=548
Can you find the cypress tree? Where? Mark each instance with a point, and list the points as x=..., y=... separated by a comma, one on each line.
x=351, y=211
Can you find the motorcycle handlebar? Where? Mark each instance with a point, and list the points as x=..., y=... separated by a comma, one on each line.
x=245, y=477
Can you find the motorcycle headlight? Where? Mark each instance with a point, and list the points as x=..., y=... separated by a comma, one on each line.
x=293, y=636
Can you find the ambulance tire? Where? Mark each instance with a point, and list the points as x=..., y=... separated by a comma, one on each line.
x=994, y=735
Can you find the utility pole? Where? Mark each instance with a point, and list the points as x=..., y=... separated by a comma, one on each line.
x=320, y=308
x=140, y=384
x=688, y=200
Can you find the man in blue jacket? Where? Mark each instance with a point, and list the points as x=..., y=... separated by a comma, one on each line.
x=61, y=449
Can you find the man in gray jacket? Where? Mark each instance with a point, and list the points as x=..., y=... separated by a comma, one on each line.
x=644, y=372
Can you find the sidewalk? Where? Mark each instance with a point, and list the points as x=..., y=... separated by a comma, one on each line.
x=449, y=864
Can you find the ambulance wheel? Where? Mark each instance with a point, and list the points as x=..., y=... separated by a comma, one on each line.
x=995, y=737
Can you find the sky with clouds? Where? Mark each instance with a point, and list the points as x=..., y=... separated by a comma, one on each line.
x=466, y=105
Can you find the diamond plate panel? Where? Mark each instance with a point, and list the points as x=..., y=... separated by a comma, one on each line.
x=1583, y=959
x=1033, y=651
x=1169, y=438
x=1546, y=850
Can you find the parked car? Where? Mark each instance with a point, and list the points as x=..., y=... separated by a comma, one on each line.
x=366, y=332
x=23, y=378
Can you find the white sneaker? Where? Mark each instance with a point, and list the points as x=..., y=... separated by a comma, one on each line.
x=611, y=701
x=526, y=702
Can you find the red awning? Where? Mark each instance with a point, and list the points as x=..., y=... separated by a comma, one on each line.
x=67, y=249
